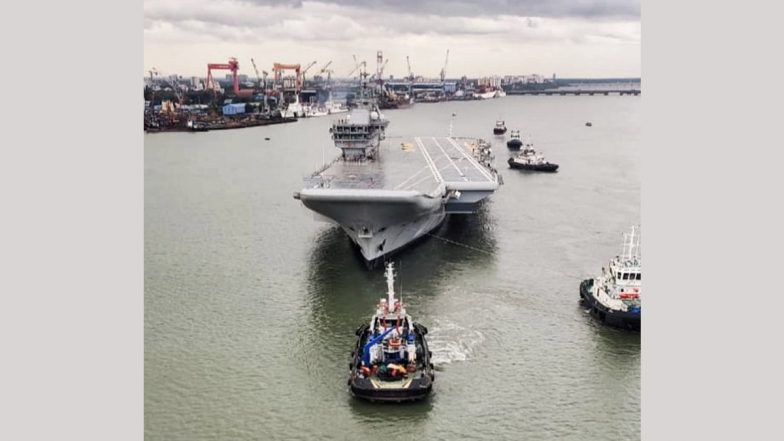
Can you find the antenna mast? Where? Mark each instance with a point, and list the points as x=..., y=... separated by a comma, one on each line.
x=390, y=285
x=401, y=285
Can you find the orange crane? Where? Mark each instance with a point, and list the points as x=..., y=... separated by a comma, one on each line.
x=277, y=71
x=233, y=66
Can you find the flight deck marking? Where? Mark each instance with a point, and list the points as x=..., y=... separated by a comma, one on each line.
x=413, y=176
x=429, y=160
x=472, y=160
x=460, y=172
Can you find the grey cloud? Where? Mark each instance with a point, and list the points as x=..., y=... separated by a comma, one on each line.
x=254, y=20
x=485, y=8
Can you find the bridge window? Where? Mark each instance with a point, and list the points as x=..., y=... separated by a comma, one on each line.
x=639, y=276
x=625, y=276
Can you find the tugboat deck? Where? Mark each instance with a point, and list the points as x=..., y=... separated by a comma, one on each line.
x=425, y=165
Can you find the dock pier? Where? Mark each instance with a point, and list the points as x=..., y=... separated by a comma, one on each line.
x=631, y=92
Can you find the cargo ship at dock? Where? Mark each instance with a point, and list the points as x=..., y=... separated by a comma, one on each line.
x=386, y=193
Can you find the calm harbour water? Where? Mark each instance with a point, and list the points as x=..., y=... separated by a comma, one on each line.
x=251, y=304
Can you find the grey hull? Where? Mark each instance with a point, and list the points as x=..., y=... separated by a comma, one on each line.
x=378, y=221
x=403, y=191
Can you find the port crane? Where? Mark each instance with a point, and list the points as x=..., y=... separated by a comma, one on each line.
x=305, y=70
x=261, y=84
x=256, y=69
x=357, y=65
x=233, y=66
x=327, y=71
x=379, y=76
x=443, y=69
x=152, y=72
x=175, y=88
x=277, y=71
x=381, y=63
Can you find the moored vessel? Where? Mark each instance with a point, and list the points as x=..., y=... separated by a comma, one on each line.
x=391, y=360
x=295, y=109
x=486, y=92
x=614, y=297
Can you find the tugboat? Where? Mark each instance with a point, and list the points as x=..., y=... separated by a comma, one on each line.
x=391, y=361
x=614, y=297
x=500, y=128
x=528, y=159
x=515, y=143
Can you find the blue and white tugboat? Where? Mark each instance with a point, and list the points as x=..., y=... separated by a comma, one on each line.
x=614, y=297
x=391, y=361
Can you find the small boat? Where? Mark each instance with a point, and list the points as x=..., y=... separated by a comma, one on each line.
x=514, y=143
x=315, y=111
x=500, y=128
x=335, y=107
x=614, y=297
x=197, y=126
x=588, y=124
x=528, y=159
x=391, y=360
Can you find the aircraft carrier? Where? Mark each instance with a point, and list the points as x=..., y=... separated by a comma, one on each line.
x=387, y=192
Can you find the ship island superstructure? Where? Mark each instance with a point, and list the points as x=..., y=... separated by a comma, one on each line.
x=387, y=192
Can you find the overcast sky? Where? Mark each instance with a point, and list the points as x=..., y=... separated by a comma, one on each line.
x=571, y=38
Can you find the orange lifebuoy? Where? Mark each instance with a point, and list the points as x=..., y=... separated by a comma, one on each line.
x=397, y=369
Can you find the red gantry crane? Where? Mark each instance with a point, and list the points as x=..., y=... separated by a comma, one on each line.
x=233, y=65
x=277, y=71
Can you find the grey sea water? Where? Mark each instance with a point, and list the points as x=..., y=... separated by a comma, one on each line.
x=251, y=305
